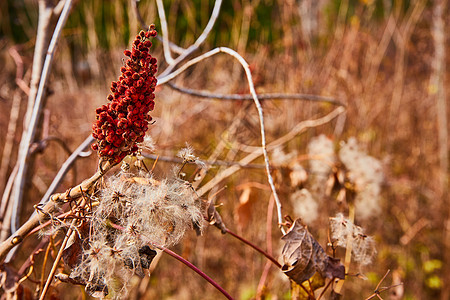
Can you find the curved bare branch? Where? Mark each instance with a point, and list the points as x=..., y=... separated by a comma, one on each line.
x=269, y=96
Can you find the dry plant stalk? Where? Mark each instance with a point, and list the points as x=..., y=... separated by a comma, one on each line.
x=52, y=206
x=29, y=134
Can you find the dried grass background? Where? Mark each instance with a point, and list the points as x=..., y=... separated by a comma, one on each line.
x=374, y=56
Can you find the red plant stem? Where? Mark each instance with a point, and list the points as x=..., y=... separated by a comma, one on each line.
x=186, y=262
x=271, y=258
x=325, y=288
x=65, y=215
x=310, y=293
x=262, y=280
x=197, y=270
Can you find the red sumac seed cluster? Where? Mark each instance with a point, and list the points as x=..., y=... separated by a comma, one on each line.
x=122, y=123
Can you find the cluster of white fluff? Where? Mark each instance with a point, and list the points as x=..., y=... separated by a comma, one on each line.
x=187, y=154
x=298, y=175
x=344, y=231
x=133, y=215
x=305, y=206
x=365, y=172
x=280, y=158
x=322, y=155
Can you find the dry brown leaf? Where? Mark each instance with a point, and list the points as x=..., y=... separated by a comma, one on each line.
x=73, y=251
x=244, y=209
x=303, y=256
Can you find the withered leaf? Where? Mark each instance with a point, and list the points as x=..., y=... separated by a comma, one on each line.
x=303, y=256
x=73, y=252
x=147, y=255
x=134, y=265
x=334, y=268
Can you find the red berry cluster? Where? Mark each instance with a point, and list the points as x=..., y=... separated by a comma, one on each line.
x=124, y=120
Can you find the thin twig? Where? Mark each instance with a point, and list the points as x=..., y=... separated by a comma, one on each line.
x=165, y=31
x=64, y=216
x=248, y=74
x=9, y=144
x=44, y=264
x=65, y=168
x=162, y=78
x=42, y=39
x=265, y=274
x=184, y=261
x=57, y=260
x=382, y=279
x=308, y=292
x=198, y=42
x=31, y=258
x=263, y=132
x=325, y=288
x=270, y=257
x=6, y=209
x=134, y=4
x=269, y=96
x=58, y=178
x=72, y=230
x=42, y=144
x=30, y=133
x=348, y=249
x=262, y=280
x=19, y=73
x=224, y=142
x=440, y=90
x=55, y=203
x=195, y=269
x=207, y=162
x=379, y=290
x=254, y=155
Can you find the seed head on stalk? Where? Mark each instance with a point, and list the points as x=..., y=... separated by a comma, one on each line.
x=122, y=123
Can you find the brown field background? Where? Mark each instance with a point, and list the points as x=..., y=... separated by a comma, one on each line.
x=376, y=57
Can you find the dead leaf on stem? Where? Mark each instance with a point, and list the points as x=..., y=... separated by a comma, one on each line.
x=73, y=251
x=303, y=256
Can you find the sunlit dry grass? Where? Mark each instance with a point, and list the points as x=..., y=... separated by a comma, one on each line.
x=380, y=68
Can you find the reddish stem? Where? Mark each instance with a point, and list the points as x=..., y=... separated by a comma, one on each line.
x=271, y=258
x=197, y=270
x=325, y=288
x=186, y=262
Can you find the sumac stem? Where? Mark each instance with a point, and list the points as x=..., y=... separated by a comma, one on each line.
x=271, y=258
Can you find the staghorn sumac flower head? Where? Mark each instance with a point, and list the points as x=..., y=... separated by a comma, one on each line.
x=122, y=123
